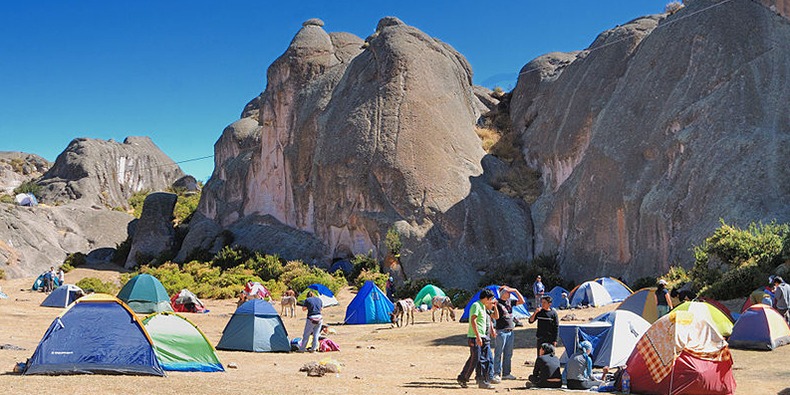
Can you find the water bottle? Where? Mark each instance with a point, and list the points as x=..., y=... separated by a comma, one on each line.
x=626, y=382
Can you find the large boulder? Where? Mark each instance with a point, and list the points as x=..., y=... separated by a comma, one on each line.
x=34, y=238
x=17, y=168
x=662, y=127
x=107, y=173
x=154, y=235
x=346, y=143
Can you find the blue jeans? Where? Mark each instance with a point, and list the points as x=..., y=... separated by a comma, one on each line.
x=477, y=362
x=662, y=310
x=503, y=353
x=311, y=328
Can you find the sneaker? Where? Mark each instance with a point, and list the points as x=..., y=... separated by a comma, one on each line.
x=462, y=383
x=496, y=380
x=485, y=386
x=508, y=377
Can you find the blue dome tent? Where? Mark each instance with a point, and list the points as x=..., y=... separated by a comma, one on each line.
x=370, y=306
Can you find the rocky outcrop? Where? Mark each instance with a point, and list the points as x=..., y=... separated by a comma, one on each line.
x=662, y=127
x=351, y=138
x=17, y=168
x=106, y=173
x=34, y=238
x=154, y=235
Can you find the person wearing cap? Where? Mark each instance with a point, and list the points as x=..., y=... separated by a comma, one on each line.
x=503, y=351
x=546, y=373
x=564, y=303
x=538, y=289
x=578, y=369
x=782, y=295
x=663, y=301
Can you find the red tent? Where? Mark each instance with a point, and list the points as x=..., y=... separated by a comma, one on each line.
x=186, y=302
x=681, y=354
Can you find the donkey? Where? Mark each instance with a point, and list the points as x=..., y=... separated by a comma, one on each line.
x=442, y=303
x=288, y=306
x=403, y=306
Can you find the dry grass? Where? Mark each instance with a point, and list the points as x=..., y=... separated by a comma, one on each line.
x=423, y=358
x=489, y=137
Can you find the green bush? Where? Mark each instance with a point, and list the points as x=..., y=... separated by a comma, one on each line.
x=171, y=276
x=28, y=187
x=643, y=282
x=460, y=297
x=73, y=260
x=364, y=262
x=186, y=205
x=368, y=275
x=393, y=241
x=267, y=267
x=732, y=261
x=94, y=284
x=229, y=257
x=676, y=277
x=7, y=199
x=136, y=202
x=276, y=288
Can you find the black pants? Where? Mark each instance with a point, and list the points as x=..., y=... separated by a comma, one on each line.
x=582, y=385
x=544, y=384
x=477, y=362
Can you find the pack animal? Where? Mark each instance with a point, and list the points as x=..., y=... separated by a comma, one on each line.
x=403, y=307
x=442, y=303
x=288, y=306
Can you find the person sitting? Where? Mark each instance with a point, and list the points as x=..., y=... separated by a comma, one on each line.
x=578, y=370
x=564, y=303
x=546, y=373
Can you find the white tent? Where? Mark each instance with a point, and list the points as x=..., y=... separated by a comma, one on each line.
x=26, y=199
x=590, y=293
x=613, y=335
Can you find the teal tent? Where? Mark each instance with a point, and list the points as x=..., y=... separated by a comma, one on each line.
x=370, y=306
x=145, y=294
x=255, y=326
x=180, y=345
x=426, y=295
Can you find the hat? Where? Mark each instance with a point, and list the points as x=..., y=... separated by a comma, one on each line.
x=564, y=294
x=771, y=279
x=586, y=345
x=662, y=282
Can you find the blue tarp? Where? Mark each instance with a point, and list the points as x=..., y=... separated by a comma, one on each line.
x=255, y=326
x=594, y=332
x=95, y=337
x=370, y=306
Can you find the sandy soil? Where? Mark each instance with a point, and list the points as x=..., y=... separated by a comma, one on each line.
x=421, y=359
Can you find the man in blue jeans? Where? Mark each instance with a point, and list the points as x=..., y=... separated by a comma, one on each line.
x=503, y=351
x=479, y=342
x=312, y=326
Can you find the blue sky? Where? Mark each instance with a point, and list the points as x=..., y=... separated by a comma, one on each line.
x=180, y=71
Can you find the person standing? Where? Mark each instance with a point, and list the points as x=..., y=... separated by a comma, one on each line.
x=389, y=287
x=61, y=276
x=663, y=301
x=479, y=343
x=312, y=326
x=782, y=295
x=503, y=350
x=538, y=289
x=548, y=323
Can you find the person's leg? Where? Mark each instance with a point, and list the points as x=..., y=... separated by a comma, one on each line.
x=499, y=345
x=484, y=362
x=316, y=334
x=308, y=330
x=471, y=362
x=507, y=354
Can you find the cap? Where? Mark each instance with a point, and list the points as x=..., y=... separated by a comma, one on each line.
x=662, y=282
x=771, y=279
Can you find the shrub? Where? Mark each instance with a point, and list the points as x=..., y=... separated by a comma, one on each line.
x=275, y=287
x=7, y=199
x=171, y=277
x=293, y=269
x=267, y=267
x=94, y=284
x=186, y=205
x=643, y=282
x=318, y=276
x=380, y=279
x=488, y=137
x=136, y=202
x=393, y=241
x=522, y=275
x=363, y=262
x=2, y=274
x=229, y=257
x=460, y=297
x=73, y=260
x=28, y=187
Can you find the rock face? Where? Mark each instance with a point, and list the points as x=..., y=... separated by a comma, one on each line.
x=661, y=128
x=347, y=142
x=107, y=173
x=154, y=234
x=34, y=238
x=19, y=167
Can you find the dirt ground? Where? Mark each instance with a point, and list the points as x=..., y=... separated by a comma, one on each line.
x=421, y=359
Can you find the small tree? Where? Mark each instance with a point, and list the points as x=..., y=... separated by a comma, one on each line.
x=393, y=241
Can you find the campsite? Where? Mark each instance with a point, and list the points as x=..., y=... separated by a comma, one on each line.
x=420, y=359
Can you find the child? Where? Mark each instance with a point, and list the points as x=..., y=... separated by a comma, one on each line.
x=479, y=343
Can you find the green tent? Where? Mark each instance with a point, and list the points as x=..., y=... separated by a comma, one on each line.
x=426, y=294
x=145, y=294
x=710, y=313
x=180, y=345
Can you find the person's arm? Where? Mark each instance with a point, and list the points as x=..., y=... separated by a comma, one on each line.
x=519, y=296
x=537, y=371
x=555, y=327
x=472, y=320
x=534, y=316
x=668, y=299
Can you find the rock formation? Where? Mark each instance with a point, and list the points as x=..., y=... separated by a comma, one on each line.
x=106, y=173
x=351, y=138
x=17, y=168
x=154, y=235
x=34, y=238
x=659, y=129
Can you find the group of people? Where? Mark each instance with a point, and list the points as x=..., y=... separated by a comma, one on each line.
x=50, y=276
x=491, y=320
x=777, y=295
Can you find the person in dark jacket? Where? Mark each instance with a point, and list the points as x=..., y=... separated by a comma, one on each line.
x=546, y=373
x=548, y=323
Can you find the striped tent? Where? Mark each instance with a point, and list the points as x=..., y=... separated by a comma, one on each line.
x=760, y=327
